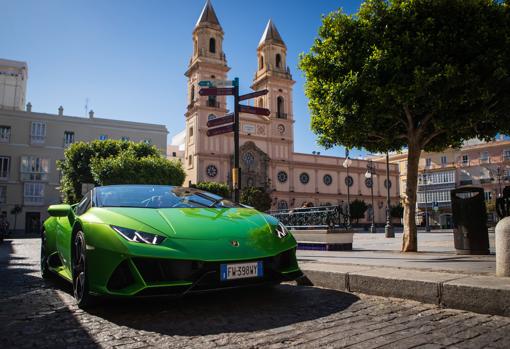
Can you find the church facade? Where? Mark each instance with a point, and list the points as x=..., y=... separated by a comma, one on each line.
x=267, y=157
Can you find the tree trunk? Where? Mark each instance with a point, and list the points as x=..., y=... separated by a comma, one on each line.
x=410, y=237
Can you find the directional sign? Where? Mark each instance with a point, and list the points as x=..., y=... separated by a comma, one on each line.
x=253, y=95
x=216, y=91
x=221, y=121
x=220, y=130
x=254, y=110
x=205, y=83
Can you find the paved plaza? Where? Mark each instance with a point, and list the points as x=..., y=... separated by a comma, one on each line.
x=35, y=313
x=436, y=253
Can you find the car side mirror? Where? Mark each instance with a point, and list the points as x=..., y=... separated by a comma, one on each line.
x=61, y=210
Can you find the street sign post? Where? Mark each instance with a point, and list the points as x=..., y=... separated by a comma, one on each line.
x=254, y=110
x=213, y=91
x=253, y=95
x=231, y=88
x=220, y=130
x=221, y=121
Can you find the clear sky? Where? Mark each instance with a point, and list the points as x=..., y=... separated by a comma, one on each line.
x=128, y=57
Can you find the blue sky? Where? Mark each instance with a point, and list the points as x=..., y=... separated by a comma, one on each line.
x=128, y=57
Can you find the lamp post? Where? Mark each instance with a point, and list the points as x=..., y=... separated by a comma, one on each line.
x=425, y=184
x=347, y=162
x=369, y=175
x=388, y=228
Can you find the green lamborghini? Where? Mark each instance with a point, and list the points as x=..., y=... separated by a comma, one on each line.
x=148, y=240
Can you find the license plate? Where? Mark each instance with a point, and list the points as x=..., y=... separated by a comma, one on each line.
x=241, y=270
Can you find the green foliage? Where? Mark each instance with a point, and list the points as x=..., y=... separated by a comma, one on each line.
x=220, y=189
x=438, y=67
x=75, y=167
x=357, y=209
x=397, y=211
x=257, y=198
x=127, y=168
x=415, y=74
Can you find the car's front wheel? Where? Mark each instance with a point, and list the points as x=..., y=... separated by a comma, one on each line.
x=80, y=279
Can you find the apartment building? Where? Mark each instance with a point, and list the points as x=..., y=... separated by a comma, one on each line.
x=32, y=142
x=477, y=163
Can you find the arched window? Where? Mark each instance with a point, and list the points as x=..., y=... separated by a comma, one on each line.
x=195, y=47
x=280, y=113
x=261, y=102
x=211, y=102
x=261, y=62
x=191, y=132
x=278, y=60
x=192, y=94
x=212, y=45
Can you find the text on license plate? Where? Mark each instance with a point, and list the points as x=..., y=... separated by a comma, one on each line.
x=241, y=270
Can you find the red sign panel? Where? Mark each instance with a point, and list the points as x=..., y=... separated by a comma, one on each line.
x=220, y=130
x=253, y=95
x=254, y=110
x=220, y=121
x=216, y=91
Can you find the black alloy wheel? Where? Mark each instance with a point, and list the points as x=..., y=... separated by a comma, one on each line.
x=79, y=266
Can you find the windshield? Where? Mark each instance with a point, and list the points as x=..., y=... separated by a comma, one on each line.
x=157, y=196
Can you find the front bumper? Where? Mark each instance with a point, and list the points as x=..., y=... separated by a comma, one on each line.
x=142, y=276
x=118, y=267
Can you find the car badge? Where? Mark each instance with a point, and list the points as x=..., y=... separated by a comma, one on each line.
x=234, y=243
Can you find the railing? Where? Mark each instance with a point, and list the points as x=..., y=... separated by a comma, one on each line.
x=323, y=217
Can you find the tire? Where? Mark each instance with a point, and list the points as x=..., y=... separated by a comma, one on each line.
x=45, y=270
x=79, y=265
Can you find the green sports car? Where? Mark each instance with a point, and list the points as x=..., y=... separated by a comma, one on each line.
x=148, y=240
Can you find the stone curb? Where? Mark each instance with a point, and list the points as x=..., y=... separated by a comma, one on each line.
x=481, y=294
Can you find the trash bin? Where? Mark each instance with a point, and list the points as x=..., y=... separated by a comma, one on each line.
x=469, y=214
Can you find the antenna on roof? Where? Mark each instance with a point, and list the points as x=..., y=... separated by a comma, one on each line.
x=86, y=106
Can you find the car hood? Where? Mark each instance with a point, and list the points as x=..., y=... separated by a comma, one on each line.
x=189, y=223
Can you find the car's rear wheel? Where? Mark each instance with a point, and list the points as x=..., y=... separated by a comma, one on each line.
x=80, y=279
x=45, y=270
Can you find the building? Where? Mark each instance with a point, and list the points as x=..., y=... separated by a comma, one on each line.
x=13, y=84
x=267, y=154
x=176, y=148
x=484, y=164
x=31, y=143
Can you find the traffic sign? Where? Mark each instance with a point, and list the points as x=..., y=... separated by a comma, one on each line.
x=217, y=83
x=253, y=95
x=220, y=130
x=254, y=110
x=220, y=121
x=213, y=91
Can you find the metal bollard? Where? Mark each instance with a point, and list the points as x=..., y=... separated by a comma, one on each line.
x=503, y=247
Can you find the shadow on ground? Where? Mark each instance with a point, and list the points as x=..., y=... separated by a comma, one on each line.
x=244, y=310
x=32, y=314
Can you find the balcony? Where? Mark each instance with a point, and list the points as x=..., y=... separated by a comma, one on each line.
x=34, y=139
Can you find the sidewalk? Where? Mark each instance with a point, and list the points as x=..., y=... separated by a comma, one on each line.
x=434, y=275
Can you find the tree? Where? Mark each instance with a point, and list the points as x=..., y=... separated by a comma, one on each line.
x=415, y=74
x=127, y=168
x=16, y=210
x=75, y=168
x=397, y=211
x=220, y=189
x=257, y=198
x=357, y=209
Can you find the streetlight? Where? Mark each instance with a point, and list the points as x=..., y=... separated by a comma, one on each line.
x=369, y=174
x=498, y=173
x=388, y=229
x=425, y=185
x=346, y=164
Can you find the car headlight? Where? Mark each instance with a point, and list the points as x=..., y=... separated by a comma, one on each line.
x=281, y=231
x=138, y=236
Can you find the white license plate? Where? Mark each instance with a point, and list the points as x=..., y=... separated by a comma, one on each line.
x=241, y=270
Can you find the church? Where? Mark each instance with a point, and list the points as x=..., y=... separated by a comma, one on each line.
x=267, y=157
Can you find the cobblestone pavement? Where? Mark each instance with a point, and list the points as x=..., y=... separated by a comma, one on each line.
x=35, y=313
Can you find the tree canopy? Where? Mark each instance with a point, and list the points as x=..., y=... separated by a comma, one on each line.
x=256, y=197
x=415, y=74
x=148, y=166
x=357, y=209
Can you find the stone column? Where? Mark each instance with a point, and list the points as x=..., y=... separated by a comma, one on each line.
x=503, y=247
